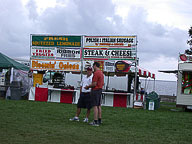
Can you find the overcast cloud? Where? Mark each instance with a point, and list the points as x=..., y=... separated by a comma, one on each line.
x=158, y=44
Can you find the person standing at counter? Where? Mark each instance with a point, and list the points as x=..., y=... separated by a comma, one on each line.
x=142, y=92
x=84, y=99
x=97, y=85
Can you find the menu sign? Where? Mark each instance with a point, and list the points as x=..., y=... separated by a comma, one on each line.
x=122, y=66
x=42, y=52
x=109, y=66
x=89, y=63
x=109, y=41
x=56, y=41
x=68, y=53
x=109, y=53
x=61, y=65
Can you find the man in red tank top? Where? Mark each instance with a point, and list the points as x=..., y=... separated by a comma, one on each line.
x=97, y=85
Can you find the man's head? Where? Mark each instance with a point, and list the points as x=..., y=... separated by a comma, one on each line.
x=96, y=66
x=89, y=71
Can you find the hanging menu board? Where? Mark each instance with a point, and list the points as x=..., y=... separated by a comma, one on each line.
x=109, y=41
x=50, y=52
x=110, y=48
x=56, y=52
x=56, y=65
x=68, y=53
x=56, y=41
x=109, y=53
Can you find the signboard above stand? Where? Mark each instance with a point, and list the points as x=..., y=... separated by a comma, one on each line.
x=69, y=52
x=109, y=41
x=56, y=41
x=109, y=53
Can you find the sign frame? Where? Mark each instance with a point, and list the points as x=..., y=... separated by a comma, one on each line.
x=68, y=53
x=109, y=53
x=109, y=41
x=56, y=40
x=56, y=65
x=42, y=53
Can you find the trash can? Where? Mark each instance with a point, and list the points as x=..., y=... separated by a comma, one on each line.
x=15, y=90
x=152, y=101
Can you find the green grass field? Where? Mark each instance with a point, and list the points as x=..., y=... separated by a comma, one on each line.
x=48, y=123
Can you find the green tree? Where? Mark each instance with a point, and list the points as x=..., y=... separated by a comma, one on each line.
x=190, y=35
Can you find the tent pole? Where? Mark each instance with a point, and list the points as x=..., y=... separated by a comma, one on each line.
x=135, y=83
x=127, y=82
x=154, y=85
x=107, y=86
x=145, y=83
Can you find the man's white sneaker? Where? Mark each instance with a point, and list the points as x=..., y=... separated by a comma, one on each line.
x=74, y=119
x=86, y=120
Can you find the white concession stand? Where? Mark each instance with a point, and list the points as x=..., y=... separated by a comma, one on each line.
x=63, y=54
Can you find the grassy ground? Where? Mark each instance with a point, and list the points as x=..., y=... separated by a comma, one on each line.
x=48, y=123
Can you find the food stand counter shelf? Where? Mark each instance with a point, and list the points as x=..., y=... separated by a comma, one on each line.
x=61, y=95
x=54, y=95
x=117, y=99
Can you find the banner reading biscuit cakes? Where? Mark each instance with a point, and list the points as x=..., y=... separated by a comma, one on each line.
x=56, y=65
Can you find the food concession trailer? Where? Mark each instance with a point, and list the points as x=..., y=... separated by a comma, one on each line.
x=184, y=81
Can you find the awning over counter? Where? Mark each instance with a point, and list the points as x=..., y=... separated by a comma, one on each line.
x=145, y=73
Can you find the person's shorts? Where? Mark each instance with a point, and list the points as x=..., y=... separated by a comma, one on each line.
x=84, y=101
x=96, y=97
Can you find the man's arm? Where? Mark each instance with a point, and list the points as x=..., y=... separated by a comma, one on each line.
x=92, y=85
x=80, y=89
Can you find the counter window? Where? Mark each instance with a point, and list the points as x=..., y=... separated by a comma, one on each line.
x=187, y=83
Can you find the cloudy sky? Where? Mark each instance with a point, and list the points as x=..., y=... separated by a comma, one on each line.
x=161, y=25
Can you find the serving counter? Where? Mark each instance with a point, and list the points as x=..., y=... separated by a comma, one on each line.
x=117, y=99
x=48, y=94
x=113, y=99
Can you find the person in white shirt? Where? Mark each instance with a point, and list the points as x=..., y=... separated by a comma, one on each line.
x=84, y=99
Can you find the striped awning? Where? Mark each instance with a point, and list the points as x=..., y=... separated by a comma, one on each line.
x=145, y=73
x=141, y=71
